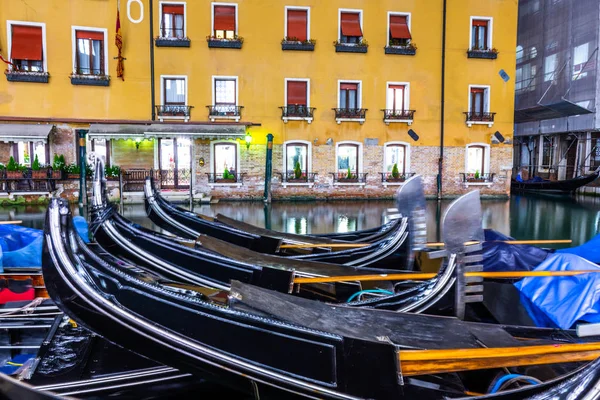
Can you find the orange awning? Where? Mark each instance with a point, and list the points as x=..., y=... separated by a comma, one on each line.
x=26, y=43
x=399, y=27
x=351, y=24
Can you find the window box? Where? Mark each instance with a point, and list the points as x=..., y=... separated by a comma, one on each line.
x=305, y=179
x=361, y=47
x=477, y=178
x=409, y=50
x=73, y=176
x=172, y=42
x=290, y=44
x=487, y=54
x=26, y=76
x=216, y=179
x=235, y=43
x=14, y=174
x=388, y=177
x=90, y=80
x=39, y=174
x=57, y=174
x=354, y=178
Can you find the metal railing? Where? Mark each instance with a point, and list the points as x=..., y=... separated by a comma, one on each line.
x=553, y=172
x=231, y=178
x=389, y=176
x=28, y=180
x=398, y=114
x=353, y=113
x=480, y=116
x=168, y=110
x=474, y=177
x=297, y=111
x=290, y=177
x=353, y=177
x=134, y=179
x=224, y=111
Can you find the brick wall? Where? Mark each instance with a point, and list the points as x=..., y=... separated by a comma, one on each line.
x=5, y=150
x=62, y=141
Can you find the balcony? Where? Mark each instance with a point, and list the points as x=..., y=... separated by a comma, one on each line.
x=228, y=179
x=298, y=45
x=27, y=76
x=350, y=115
x=173, y=112
x=352, y=178
x=297, y=112
x=292, y=179
x=477, y=179
x=480, y=118
x=388, y=178
x=224, y=112
x=405, y=116
x=341, y=47
x=490, y=54
x=221, y=43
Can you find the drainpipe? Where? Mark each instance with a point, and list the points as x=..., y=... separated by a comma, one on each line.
x=152, y=95
x=82, y=170
x=442, y=109
x=268, y=169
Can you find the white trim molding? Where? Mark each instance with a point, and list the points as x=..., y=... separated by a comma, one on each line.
x=285, y=23
x=212, y=161
x=487, y=96
x=308, y=161
x=359, y=161
x=307, y=80
x=358, y=100
x=236, y=118
x=162, y=94
x=402, y=14
x=10, y=23
x=74, y=30
x=490, y=30
x=174, y=3
x=349, y=10
x=212, y=16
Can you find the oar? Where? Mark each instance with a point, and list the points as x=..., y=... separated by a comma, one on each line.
x=424, y=276
x=433, y=244
x=10, y=222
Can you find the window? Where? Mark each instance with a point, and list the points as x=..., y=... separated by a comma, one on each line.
x=349, y=96
x=174, y=92
x=27, y=46
x=580, y=59
x=224, y=20
x=481, y=33
x=296, y=153
x=101, y=148
x=25, y=152
x=550, y=67
x=172, y=24
x=547, y=148
x=594, y=156
x=479, y=100
x=296, y=92
x=89, y=53
x=476, y=159
x=398, y=29
x=350, y=30
x=297, y=23
x=225, y=158
x=225, y=94
x=397, y=97
x=396, y=154
x=519, y=53
x=347, y=158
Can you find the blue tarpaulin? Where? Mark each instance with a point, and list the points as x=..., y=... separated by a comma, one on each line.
x=507, y=257
x=21, y=247
x=590, y=250
x=81, y=226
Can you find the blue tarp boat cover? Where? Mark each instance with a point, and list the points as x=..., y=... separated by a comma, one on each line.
x=590, y=250
x=81, y=226
x=507, y=257
x=21, y=247
x=561, y=302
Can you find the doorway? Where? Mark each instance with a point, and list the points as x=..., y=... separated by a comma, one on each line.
x=174, y=158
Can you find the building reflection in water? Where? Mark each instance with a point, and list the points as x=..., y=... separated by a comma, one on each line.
x=523, y=217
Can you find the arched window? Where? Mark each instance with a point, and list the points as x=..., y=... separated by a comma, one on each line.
x=296, y=155
x=348, y=158
x=396, y=154
x=475, y=159
x=225, y=161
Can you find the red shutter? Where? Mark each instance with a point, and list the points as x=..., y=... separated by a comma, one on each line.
x=26, y=43
x=349, y=86
x=480, y=22
x=396, y=87
x=477, y=90
x=173, y=9
x=296, y=92
x=351, y=24
x=89, y=35
x=399, y=27
x=296, y=24
x=224, y=18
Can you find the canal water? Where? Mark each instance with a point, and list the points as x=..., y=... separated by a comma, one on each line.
x=522, y=217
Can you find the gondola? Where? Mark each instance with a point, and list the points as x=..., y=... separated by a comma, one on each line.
x=547, y=186
x=270, y=344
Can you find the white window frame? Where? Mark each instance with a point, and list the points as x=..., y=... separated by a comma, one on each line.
x=212, y=16
x=487, y=100
x=360, y=161
x=406, y=160
x=74, y=30
x=486, y=162
x=308, y=161
x=401, y=14
x=358, y=100
x=212, y=161
x=406, y=101
x=541, y=167
x=175, y=3
x=349, y=10
x=490, y=31
x=10, y=23
x=307, y=80
x=237, y=93
x=285, y=21
x=162, y=92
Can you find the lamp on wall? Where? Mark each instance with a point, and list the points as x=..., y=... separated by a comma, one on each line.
x=248, y=139
x=413, y=135
x=329, y=141
x=497, y=138
x=201, y=162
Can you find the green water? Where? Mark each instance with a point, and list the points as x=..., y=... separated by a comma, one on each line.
x=522, y=217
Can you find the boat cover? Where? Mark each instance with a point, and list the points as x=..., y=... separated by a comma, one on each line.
x=590, y=250
x=20, y=247
x=507, y=257
x=562, y=301
x=81, y=226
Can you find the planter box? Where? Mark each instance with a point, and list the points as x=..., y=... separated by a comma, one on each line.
x=297, y=181
x=89, y=80
x=73, y=176
x=225, y=181
x=225, y=44
x=405, y=51
x=482, y=54
x=39, y=174
x=475, y=180
x=355, y=180
x=297, y=46
x=343, y=48
x=37, y=77
x=56, y=174
x=395, y=180
x=14, y=175
x=164, y=42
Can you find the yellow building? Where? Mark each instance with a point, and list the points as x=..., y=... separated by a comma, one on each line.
x=351, y=90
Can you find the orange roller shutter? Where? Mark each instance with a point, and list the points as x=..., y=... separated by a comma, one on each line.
x=296, y=24
x=296, y=92
x=89, y=35
x=351, y=24
x=399, y=27
x=26, y=43
x=224, y=18
x=173, y=9
x=349, y=86
x=479, y=22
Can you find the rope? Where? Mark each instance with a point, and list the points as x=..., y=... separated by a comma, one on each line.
x=368, y=291
x=509, y=379
x=28, y=308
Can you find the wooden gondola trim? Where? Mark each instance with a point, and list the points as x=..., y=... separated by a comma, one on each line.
x=432, y=244
x=10, y=222
x=425, y=362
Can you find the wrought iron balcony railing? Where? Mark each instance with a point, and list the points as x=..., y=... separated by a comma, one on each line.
x=480, y=118
x=388, y=177
x=350, y=114
x=221, y=111
x=226, y=178
x=353, y=177
x=291, y=177
x=398, y=116
x=172, y=111
x=474, y=177
x=297, y=111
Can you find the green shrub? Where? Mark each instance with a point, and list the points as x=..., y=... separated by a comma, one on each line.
x=395, y=172
x=36, y=164
x=297, y=171
x=477, y=174
x=12, y=165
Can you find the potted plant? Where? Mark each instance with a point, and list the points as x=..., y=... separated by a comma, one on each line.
x=348, y=176
x=228, y=177
x=12, y=169
x=298, y=175
x=395, y=176
x=73, y=171
x=476, y=177
x=37, y=172
x=58, y=165
x=112, y=173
